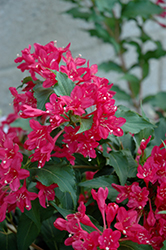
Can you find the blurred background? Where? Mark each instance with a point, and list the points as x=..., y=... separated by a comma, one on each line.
x=25, y=22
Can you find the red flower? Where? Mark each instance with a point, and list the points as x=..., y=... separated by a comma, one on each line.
x=46, y=193
x=40, y=140
x=123, y=190
x=128, y=222
x=100, y=196
x=89, y=243
x=137, y=197
x=21, y=198
x=111, y=211
x=13, y=175
x=109, y=240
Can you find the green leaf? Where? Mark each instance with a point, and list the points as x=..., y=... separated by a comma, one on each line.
x=34, y=214
x=120, y=164
x=121, y=94
x=58, y=173
x=64, y=199
x=157, y=53
x=62, y=211
x=100, y=33
x=27, y=79
x=129, y=245
x=63, y=247
x=110, y=65
x=22, y=123
x=145, y=69
x=135, y=44
x=128, y=142
x=50, y=234
x=45, y=213
x=164, y=247
x=144, y=8
x=105, y=36
x=8, y=241
x=76, y=13
x=134, y=83
x=93, y=164
x=64, y=86
x=134, y=122
x=159, y=132
x=85, y=124
x=26, y=233
x=143, y=134
x=103, y=181
x=105, y=5
x=131, y=163
x=42, y=95
x=24, y=81
x=157, y=100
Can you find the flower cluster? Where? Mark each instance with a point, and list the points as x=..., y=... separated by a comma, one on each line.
x=149, y=201
x=142, y=221
x=69, y=114
x=79, y=107
x=12, y=193
x=84, y=116
x=80, y=239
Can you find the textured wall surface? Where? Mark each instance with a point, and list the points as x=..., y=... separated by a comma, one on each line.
x=24, y=22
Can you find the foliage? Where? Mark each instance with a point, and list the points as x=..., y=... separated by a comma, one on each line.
x=109, y=19
x=76, y=171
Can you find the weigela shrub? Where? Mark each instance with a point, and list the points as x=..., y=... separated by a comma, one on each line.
x=67, y=143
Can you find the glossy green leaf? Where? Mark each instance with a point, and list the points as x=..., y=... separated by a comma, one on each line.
x=8, y=240
x=58, y=173
x=34, y=214
x=135, y=44
x=105, y=5
x=64, y=212
x=76, y=13
x=164, y=247
x=157, y=53
x=121, y=94
x=145, y=69
x=63, y=247
x=100, y=33
x=64, y=199
x=85, y=124
x=27, y=79
x=93, y=164
x=157, y=100
x=144, y=8
x=124, y=165
x=46, y=213
x=105, y=36
x=21, y=123
x=51, y=235
x=143, y=134
x=26, y=233
x=159, y=132
x=133, y=81
x=129, y=245
x=103, y=181
x=134, y=122
x=128, y=142
x=131, y=163
x=110, y=65
x=64, y=86
x=42, y=95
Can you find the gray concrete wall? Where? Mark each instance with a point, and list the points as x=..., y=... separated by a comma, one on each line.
x=24, y=22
